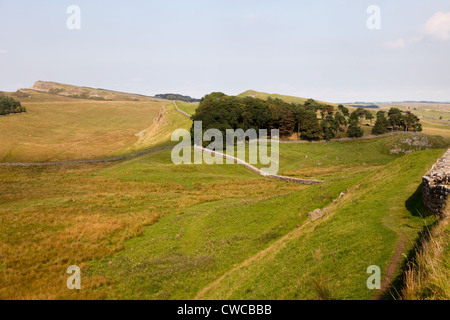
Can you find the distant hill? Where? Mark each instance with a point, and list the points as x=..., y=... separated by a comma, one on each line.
x=289, y=99
x=177, y=97
x=365, y=106
x=86, y=92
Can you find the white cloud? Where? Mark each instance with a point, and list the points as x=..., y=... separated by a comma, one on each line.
x=3, y=51
x=395, y=44
x=438, y=26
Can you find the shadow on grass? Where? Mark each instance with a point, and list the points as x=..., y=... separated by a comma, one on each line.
x=414, y=204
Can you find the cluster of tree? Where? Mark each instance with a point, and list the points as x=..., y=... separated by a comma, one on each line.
x=178, y=97
x=396, y=120
x=310, y=121
x=10, y=105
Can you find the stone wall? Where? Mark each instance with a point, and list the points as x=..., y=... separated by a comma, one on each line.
x=182, y=112
x=256, y=170
x=436, y=186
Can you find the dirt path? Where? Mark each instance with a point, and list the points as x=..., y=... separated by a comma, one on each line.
x=390, y=270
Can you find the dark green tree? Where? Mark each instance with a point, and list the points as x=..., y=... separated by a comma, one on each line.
x=343, y=110
x=354, y=130
x=381, y=125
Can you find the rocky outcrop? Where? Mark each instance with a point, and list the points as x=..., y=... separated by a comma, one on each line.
x=436, y=186
x=316, y=214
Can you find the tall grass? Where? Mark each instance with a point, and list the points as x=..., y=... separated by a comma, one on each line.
x=428, y=274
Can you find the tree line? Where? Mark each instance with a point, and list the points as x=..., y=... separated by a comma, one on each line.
x=10, y=105
x=311, y=120
x=396, y=120
x=178, y=97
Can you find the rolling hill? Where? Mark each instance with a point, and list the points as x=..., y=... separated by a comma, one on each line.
x=289, y=99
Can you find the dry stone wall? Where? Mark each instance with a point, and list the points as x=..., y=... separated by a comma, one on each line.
x=436, y=186
x=256, y=170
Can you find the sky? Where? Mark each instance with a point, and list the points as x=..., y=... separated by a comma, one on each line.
x=336, y=51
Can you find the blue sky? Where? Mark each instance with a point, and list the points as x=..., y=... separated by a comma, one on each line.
x=314, y=49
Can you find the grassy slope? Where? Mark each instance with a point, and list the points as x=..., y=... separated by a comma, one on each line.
x=324, y=160
x=61, y=128
x=320, y=160
x=189, y=108
x=182, y=254
x=264, y=96
x=160, y=132
x=331, y=255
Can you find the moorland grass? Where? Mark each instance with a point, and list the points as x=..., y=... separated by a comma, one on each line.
x=69, y=129
x=53, y=217
x=218, y=236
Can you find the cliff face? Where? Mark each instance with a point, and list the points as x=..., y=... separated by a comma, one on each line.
x=85, y=92
x=436, y=186
x=45, y=86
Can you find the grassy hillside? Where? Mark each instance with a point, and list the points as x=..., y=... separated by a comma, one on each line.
x=289, y=99
x=62, y=128
x=328, y=258
x=322, y=160
x=189, y=108
x=167, y=121
x=51, y=217
x=185, y=256
x=325, y=160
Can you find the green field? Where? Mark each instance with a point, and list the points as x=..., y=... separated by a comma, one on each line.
x=148, y=229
